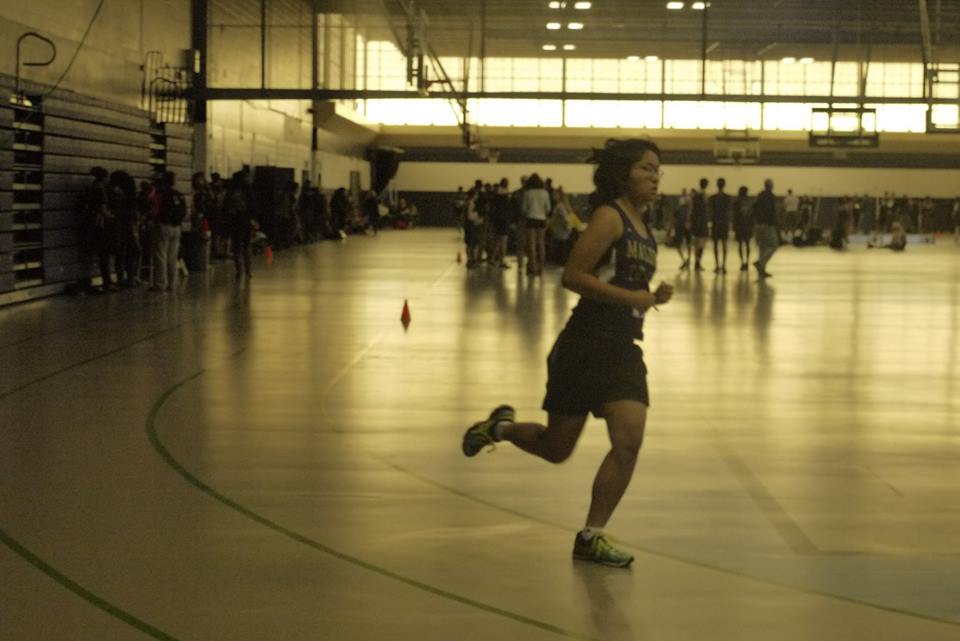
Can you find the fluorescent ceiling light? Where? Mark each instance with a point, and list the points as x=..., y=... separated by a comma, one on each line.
x=554, y=5
x=789, y=60
x=675, y=6
x=699, y=6
x=553, y=26
x=807, y=60
x=569, y=47
x=549, y=47
x=575, y=26
x=652, y=58
x=633, y=58
x=583, y=6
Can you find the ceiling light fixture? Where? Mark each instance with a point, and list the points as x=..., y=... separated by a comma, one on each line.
x=557, y=5
x=675, y=6
x=582, y=6
x=789, y=60
x=633, y=58
x=553, y=26
x=575, y=26
x=549, y=47
x=569, y=47
x=699, y=6
x=652, y=58
x=806, y=61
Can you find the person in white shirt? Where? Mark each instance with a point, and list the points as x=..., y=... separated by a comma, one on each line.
x=536, y=208
x=791, y=209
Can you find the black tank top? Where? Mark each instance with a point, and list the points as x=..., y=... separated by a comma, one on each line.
x=635, y=263
x=699, y=214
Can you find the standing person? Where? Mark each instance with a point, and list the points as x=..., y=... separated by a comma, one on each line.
x=500, y=217
x=517, y=221
x=339, y=211
x=536, y=208
x=720, y=225
x=218, y=225
x=487, y=235
x=660, y=209
x=238, y=211
x=765, y=217
x=681, y=229
x=371, y=211
x=857, y=214
x=839, y=236
x=98, y=225
x=122, y=198
x=166, y=251
x=460, y=208
x=307, y=212
x=886, y=212
x=560, y=228
x=148, y=213
x=926, y=216
x=699, y=222
x=472, y=223
x=595, y=366
x=466, y=224
x=743, y=227
x=791, y=212
x=806, y=212
x=204, y=210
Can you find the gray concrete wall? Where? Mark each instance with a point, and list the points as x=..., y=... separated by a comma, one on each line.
x=108, y=66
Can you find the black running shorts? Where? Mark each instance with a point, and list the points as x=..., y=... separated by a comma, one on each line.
x=583, y=375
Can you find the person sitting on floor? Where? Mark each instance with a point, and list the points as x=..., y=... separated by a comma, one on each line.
x=898, y=239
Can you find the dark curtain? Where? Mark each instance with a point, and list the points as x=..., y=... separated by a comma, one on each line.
x=383, y=167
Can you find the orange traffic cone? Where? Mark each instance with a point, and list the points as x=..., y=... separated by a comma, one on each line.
x=405, y=315
x=268, y=255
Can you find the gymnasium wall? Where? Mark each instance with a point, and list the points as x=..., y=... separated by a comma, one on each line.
x=277, y=132
x=108, y=66
x=815, y=181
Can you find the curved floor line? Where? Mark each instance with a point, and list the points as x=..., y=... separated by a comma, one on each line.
x=82, y=592
x=116, y=350
x=130, y=307
x=61, y=578
x=667, y=555
x=169, y=459
x=36, y=337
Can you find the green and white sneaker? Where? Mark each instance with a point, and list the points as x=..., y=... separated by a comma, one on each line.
x=599, y=550
x=480, y=434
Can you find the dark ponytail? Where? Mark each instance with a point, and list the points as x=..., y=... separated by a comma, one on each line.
x=614, y=162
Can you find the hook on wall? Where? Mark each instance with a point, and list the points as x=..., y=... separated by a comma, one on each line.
x=53, y=56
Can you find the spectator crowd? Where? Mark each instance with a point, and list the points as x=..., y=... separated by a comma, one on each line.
x=153, y=233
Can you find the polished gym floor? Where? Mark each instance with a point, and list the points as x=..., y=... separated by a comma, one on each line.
x=280, y=460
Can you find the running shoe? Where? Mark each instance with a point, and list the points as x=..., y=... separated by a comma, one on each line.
x=599, y=550
x=480, y=434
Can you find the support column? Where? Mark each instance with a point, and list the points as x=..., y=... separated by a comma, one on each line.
x=199, y=44
x=314, y=84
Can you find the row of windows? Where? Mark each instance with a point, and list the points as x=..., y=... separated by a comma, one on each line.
x=652, y=114
x=385, y=68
